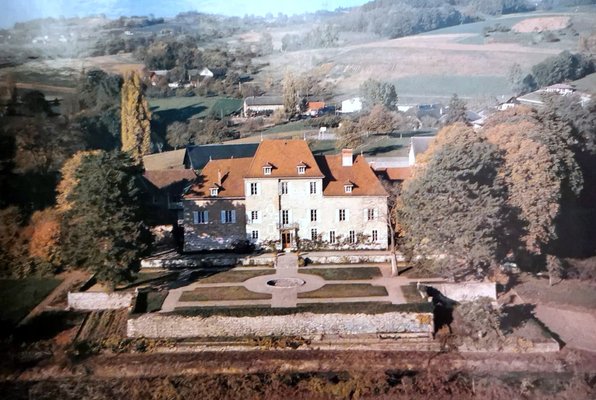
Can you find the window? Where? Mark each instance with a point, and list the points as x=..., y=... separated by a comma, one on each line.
x=375, y=236
x=332, y=237
x=267, y=170
x=284, y=188
x=214, y=191
x=313, y=215
x=352, y=237
x=254, y=235
x=228, y=216
x=342, y=215
x=313, y=234
x=285, y=217
x=313, y=187
x=301, y=169
x=200, y=217
x=348, y=188
x=254, y=216
x=371, y=214
x=254, y=189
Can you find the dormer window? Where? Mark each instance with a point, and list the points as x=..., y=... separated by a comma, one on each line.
x=301, y=168
x=348, y=186
x=214, y=191
x=267, y=168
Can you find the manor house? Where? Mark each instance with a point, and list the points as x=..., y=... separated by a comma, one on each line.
x=287, y=198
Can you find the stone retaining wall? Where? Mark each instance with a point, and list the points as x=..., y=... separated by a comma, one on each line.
x=302, y=324
x=349, y=258
x=467, y=291
x=99, y=300
x=206, y=261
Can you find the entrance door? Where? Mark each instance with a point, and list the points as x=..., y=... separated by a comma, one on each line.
x=286, y=240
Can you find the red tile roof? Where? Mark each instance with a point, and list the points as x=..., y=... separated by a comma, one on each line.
x=284, y=157
x=359, y=174
x=316, y=105
x=399, y=173
x=232, y=172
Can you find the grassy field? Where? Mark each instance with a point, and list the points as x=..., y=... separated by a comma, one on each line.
x=172, y=109
x=222, y=293
x=235, y=276
x=344, y=290
x=348, y=273
x=19, y=296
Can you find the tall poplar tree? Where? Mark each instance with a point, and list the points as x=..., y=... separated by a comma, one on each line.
x=136, y=118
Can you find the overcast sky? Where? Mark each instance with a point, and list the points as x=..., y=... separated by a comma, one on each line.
x=12, y=11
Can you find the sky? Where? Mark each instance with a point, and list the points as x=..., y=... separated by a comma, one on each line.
x=22, y=10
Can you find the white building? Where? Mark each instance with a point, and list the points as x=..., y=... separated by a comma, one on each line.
x=287, y=198
x=351, y=105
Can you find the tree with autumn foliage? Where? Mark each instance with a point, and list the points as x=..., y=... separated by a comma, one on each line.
x=135, y=118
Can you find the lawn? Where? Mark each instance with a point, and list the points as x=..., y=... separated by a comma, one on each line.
x=340, y=274
x=173, y=109
x=19, y=296
x=222, y=293
x=150, y=301
x=446, y=85
x=145, y=277
x=411, y=294
x=345, y=290
x=234, y=275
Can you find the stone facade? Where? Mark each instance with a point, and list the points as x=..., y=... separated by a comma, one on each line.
x=216, y=232
x=301, y=324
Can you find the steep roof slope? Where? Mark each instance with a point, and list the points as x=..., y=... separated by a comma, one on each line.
x=231, y=171
x=360, y=175
x=284, y=157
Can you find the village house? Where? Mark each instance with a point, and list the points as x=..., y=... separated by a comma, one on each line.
x=285, y=197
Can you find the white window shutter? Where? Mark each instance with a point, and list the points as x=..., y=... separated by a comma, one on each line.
x=336, y=215
x=258, y=188
x=233, y=216
x=195, y=217
x=206, y=216
x=223, y=216
x=289, y=216
x=376, y=213
x=366, y=214
x=347, y=214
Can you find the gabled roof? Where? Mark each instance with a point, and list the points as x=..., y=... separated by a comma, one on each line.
x=264, y=101
x=198, y=156
x=316, y=105
x=285, y=155
x=170, y=180
x=364, y=180
x=231, y=172
x=166, y=160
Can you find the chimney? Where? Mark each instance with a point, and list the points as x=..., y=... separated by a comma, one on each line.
x=219, y=177
x=346, y=157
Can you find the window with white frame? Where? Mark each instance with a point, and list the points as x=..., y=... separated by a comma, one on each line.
x=284, y=188
x=228, y=216
x=332, y=238
x=352, y=237
x=341, y=215
x=285, y=217
x=371, y=214
x=313, y=187
x=214, y=192
x=313, y=234
x=348, y=188
x=254, y=216
x=313, y=215
x=254, y=235
x=200, y=217
x=301, y=169
x=254, y=189
x=267, y=170
x=375, y=236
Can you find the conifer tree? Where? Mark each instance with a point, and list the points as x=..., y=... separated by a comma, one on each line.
x=135, y=118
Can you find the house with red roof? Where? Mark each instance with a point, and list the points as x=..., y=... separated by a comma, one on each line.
x=287, y=198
